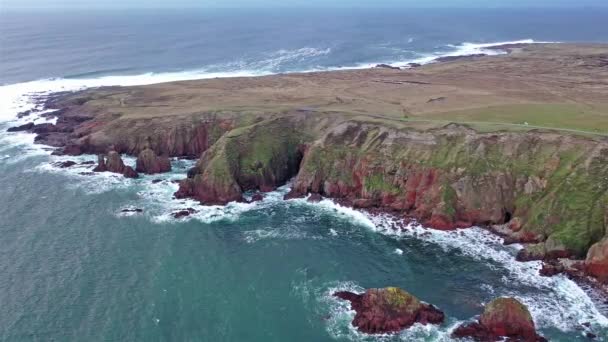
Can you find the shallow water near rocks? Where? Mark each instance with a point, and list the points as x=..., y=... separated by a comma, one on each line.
x=75, y=267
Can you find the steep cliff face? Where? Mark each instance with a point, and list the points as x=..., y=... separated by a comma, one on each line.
x=555, y=186
x=185, y=138
x=83, y=127
x=551, y=188
x=257, y=157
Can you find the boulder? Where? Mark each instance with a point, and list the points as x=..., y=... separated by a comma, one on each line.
x=502, y=318
x=389, y=310
x=184, y=213
x=596, y=263
x=149, y=163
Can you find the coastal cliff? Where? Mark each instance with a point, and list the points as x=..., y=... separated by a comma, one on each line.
x=549, y=187
x=497, y=142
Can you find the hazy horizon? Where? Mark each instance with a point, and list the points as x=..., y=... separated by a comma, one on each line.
x=218, y=4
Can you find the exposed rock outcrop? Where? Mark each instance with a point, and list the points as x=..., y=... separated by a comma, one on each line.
x=26, y=127
x=389, y=310
x=112, y=162
x=502, y=318
x=149, y=163
x=184, y=213
x=551, y=249
x=596, y=263
x=258, y=157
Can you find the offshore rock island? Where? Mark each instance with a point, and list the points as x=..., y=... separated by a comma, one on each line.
x=516, y=142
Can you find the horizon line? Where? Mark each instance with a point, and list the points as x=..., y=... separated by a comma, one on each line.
x=604, y=6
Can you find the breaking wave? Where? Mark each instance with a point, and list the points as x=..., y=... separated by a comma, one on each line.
x=556, y=302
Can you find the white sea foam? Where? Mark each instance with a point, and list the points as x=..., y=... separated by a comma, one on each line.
x=15, y=98
x=559, y=302
x=347, y=213
x=562, y=304
x=467, y=49
x=281, y=233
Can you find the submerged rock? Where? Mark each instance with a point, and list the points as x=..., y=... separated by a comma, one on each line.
x=389, y=310
x=65, y=164
x=149, y=163
x=502, y=318
x=183, y=213
x=132, y=210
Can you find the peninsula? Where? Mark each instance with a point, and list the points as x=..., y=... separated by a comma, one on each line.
x=516, y=142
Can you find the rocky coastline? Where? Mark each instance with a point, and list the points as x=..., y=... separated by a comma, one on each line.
x=545, y=189
x=452, y=177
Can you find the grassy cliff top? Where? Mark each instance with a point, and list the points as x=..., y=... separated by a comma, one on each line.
x=555, y=86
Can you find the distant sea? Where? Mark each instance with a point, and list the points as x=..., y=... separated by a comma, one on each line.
x=74, y=267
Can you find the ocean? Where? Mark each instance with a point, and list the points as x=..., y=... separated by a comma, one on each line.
x=75, y=267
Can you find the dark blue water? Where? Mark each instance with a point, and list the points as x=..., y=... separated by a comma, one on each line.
x=87, y=44
x=74, y=268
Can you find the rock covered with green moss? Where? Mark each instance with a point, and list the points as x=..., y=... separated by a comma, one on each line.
x=389, y=310
x=261, y=157
x=502, y=318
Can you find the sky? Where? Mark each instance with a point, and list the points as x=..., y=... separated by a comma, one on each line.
x=294, y=3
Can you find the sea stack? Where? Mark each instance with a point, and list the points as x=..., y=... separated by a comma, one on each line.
x=149, y=163
x=502, y=318
x=389, y=310
x=113, y=163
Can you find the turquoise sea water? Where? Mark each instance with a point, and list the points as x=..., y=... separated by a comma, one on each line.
x=73, y=267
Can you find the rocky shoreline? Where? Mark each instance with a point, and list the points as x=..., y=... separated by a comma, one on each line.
x=288, y=155
x=545, y=189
